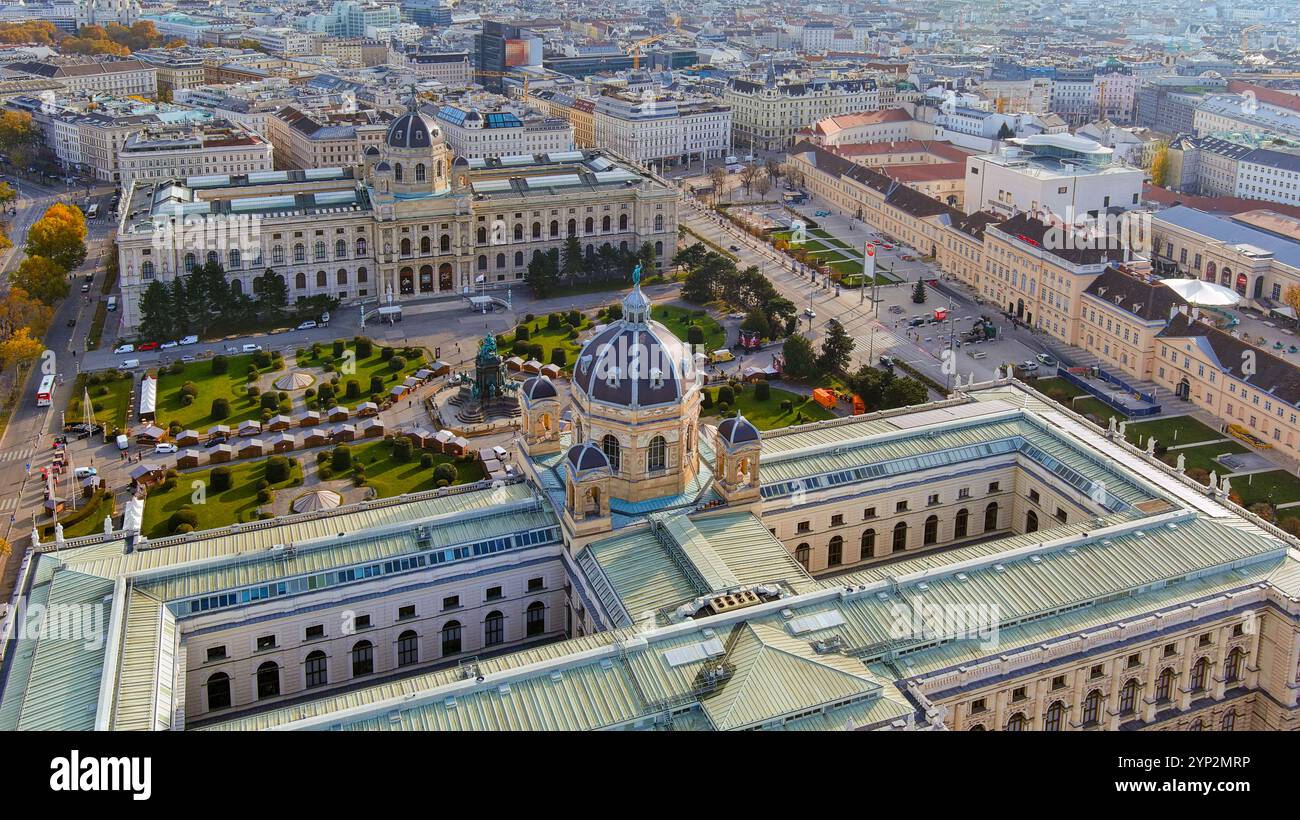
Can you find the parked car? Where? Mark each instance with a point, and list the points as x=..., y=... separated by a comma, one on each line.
x=187, y=358
x=822, y=213
x=189, y=340
x=130, y=364
x=168, y=345
x=147, y=346
x=165, y=447
x=1046, y=359
x=84, y=472
x=72, y=322
x=214, y=441
x=251, y=348
x=308, y=325
x=734, y=248
x=124, y=349
x=1028, y=367
x=325, y=318
x=895, y=308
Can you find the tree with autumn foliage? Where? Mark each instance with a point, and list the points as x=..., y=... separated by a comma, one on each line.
x=20, y=348
x=45, y=280
x=60, y=236
x=18, y=309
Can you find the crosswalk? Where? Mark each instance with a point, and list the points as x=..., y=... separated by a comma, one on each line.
x=17, y=455
x=9, y=503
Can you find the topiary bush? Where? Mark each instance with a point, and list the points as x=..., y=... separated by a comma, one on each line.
x=278, y=469
x=341, y=457
x=339, y=347
x=220, y=408
x=220, y=479
x=353, y=390
x=726, y=395
x=762, y=391
x=444, y=472
x=402, y=450
x=365, y=348
x=426, y=460
x=220, y=365
x=396, y=364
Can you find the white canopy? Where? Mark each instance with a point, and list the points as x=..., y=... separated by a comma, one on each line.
x=1204, y=294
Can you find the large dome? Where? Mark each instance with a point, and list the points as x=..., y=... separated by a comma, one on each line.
x=635, y=362
x=412, y=130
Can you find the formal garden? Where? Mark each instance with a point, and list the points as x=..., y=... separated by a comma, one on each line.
x=196, y=395
x=110, y=398
x=766, y=407
x=393, y=466
x=217, y=497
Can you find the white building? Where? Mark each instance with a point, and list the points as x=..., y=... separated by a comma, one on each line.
x=168, y=152
x=1061, y=174
x=647, y=127
x=1244, y=112
x=286, y=42
x=119, y=77
x=473, y=134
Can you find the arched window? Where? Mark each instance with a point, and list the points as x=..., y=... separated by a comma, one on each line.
x=482, y=236
x=1017, y=723
x=426, y=245
x=978, y=727
x=235, y=258
x=1128, y=697
x=1200, y=675
x=835, y=552
x=363, y=658
x=622, y=222
x=501, y=261
x=419, y=172
x=299, y=252
x=1232, y=666
x=405, y=247
x=408, y=648
x=213, y=259
x=659, y=222
x=657, y=456
x=589, y=226
x=1031, y=521
x=342, y=276
x=219, y=691
x=659, y=250
x=1198, y=725
x=519, y=259
x=146, y=270
x=444, y=243
x=362, y=276
x=277, y=255
x=900, y=536
x=190, y=262
x=236, y=286
x=268, y=680
x=801, y=554
x=1054, y=720
x=604, y=225
x=494, y=629
x=361, y=246
x=868, y=545
x=317, y=675
x=397, y=172
x=1229, y=721
x=537, y=230
x=609, y=444
x=931, y=530
x=482, y=261
x=451, y=638
x=320, y=278
x=961, y=524
x=300, y=281
x=991, y=517
x=320, y=250
x=573, y=228
x=519, y=233
x=1165, y=686
x=1092, y=708
x=341, y=249
x=555, y=228
x=535, y=619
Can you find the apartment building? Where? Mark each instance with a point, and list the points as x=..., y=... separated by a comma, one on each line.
x=176, y=69
x=1245, y=113
x=768, y=114
x=579, y=111
x=650, y=127
x=452, y=69
x=475, y=134
x=885, y=125
x=119, y=77
x=323, y=139
x=212, y=148
x=286, y=42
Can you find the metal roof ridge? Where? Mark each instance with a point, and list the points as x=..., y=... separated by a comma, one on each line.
x=945, y=426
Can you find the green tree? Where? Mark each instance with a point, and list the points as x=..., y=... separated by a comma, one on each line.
x=1005, y=132
x=904, y=392
x=800, y=361
x=543, y=274
x=155, y=313
x=837, y=348
x=757, y=320
x=918, y=292
x=272, y=294
x=870, y=383
x=572, y=262
x=648, y=258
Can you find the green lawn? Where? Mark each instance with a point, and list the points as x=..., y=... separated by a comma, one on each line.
x=110, y=399
x=364, y=368
x=198, y=414
x=218, y=509
x=679, y=320
x=1170, y=431
x=549, y=339
x=1059, y=390
x=1201, y=458
x=87, y=523
x=390, y=477
x=768, y=415
x=1098, y=408
x=1277, y=487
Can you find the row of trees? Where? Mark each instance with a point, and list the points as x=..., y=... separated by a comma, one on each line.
x=879, y=389
x=196, y=303
x=550, y=271
x=714, y=277
x=56, y=243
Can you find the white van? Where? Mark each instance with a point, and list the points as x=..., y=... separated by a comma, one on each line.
x=123, y=442
x=130, y=364
x=112, y=303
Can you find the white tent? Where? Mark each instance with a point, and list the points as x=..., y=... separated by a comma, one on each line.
x=316, y=501
x=1203, y=294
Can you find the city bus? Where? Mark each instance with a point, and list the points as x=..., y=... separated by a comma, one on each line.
x=92, y=212
x=45, y=393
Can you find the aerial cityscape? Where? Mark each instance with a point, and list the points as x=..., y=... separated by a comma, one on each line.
x=559, y=365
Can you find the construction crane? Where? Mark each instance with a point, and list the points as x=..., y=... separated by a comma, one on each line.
x=1245, y=35
x=635, y=50
x=504, y=74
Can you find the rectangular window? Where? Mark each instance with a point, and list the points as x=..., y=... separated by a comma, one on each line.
x=362, y=622
x=869, y=512
x=314, y=632
x=900, y=506
x=451, y=602
x=994, y=486
x=405, y=612
x=216, y=653
x=494, y=594
x=265, y=642
x=837, y=520
x=536, y=584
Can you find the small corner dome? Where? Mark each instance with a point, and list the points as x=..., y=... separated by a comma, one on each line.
x=372, y=151
x=737, y=430
x=587, y=457
x=539, y=387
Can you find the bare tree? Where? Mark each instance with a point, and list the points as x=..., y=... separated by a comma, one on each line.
x=749, y=175
x=718, y=176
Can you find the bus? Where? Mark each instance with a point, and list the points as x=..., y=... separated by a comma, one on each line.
x=45, y=393
x=92, y=212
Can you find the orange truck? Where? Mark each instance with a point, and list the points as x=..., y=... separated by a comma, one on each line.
x=824, y=397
